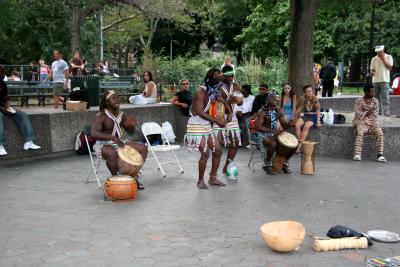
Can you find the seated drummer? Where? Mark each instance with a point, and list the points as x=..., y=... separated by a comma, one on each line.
x=267, y=125
x=106, y=129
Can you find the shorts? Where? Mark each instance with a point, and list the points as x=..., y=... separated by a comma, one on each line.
x=58, y=88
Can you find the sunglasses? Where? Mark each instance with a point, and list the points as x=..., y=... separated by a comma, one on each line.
x=184, y=83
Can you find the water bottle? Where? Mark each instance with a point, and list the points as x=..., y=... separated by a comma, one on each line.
x=232, y=171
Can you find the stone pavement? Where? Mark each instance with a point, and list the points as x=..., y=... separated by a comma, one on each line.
x=50, y=217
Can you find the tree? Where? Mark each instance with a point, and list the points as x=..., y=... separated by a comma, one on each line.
x=301, y=43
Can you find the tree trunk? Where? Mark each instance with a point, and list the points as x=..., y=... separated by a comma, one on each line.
x=303, y=13
x=355, y=68
x=76, y=27
x=126, y=57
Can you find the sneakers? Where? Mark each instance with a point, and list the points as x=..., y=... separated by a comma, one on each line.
x=3, y=151
x=381, y=159
x=30, y=145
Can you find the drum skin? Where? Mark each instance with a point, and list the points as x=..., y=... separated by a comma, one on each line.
x=120, y=187
x=129, y=161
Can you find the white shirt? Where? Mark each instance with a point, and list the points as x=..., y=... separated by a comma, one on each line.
x=58, y=67
x=5, y=78
x=246, y=106
x=382, y=74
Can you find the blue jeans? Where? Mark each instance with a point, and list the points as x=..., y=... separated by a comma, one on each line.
x=23, y=123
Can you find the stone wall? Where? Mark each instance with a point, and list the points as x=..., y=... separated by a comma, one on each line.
x=346, y=103
x=55, y=131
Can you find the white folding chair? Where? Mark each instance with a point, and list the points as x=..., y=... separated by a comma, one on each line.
x=95, y=161
x=150, y=128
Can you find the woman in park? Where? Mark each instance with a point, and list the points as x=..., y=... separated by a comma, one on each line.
x=288, y=103
x=44, y=71
x=149, y=95
x=308, y=114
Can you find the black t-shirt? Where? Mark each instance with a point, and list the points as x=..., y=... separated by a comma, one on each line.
x=257, y=104
x=185, y=97
x=328, y=72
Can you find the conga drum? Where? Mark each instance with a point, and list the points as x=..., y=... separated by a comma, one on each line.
x=120, y=187
x=307, y=160
x=286, y=146
x=130, y=161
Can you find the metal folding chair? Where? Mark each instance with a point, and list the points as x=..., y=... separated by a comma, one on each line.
x=150, y=128
x=94, y=159
x=255, y=144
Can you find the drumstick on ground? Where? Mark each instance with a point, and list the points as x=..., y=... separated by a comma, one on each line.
x=339, y=243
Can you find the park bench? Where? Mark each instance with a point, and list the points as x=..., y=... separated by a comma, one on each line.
x=26, y=89
x=121, y=88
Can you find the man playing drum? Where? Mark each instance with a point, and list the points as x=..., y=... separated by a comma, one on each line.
x=231, y=94
x=106, y=129
x=199, y=134
x=267, y=124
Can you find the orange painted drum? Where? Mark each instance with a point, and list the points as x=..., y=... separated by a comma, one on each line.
x=120, y=187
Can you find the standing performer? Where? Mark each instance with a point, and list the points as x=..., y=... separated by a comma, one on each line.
x=199, y=130
x=366, y=121
x=231, y=94
x=106, y=129
x=267, y=125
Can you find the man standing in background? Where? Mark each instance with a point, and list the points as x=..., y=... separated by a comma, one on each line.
x=381, y=65
x=327, y=74
x=60, y=74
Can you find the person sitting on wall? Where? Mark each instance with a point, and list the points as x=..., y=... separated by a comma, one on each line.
x=149, y=95
x=183, y=98
x=366, y=122
x=20, y=118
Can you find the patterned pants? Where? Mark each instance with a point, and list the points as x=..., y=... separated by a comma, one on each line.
x=373, y=130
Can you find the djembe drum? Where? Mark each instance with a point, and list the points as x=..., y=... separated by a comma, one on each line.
x=129, y=161
x=286, y=146
x=120, y=187
x=307, y=160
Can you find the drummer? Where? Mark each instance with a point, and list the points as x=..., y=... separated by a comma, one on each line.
x=267, y=125
x=106, y=129
x=232, y=94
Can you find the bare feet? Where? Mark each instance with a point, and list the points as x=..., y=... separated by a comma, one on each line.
x=201, y=184
x=214, y=181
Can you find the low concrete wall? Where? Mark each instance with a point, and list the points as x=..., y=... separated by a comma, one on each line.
x=55, y=131
x=338, y=141
x=346, y=103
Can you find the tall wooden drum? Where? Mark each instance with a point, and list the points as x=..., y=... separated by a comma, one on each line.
x=307, y=160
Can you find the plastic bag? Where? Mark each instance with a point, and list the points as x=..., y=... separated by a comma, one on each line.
x=329, y=117
x=168, y=131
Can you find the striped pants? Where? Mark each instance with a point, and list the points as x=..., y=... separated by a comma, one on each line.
x=373, y=130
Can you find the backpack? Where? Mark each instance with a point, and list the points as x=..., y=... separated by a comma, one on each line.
x=80, y=143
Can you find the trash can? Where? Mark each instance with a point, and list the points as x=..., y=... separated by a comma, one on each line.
x=90, y=87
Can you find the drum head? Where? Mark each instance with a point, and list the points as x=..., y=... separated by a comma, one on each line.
x=130, y=155
x=120, y=178
x=384, y=236
x=288, y=140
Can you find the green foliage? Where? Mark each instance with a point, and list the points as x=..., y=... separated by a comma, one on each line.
x=268, y=30
x=28, y=32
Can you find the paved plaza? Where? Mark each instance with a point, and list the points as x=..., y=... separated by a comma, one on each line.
x=50, y=217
